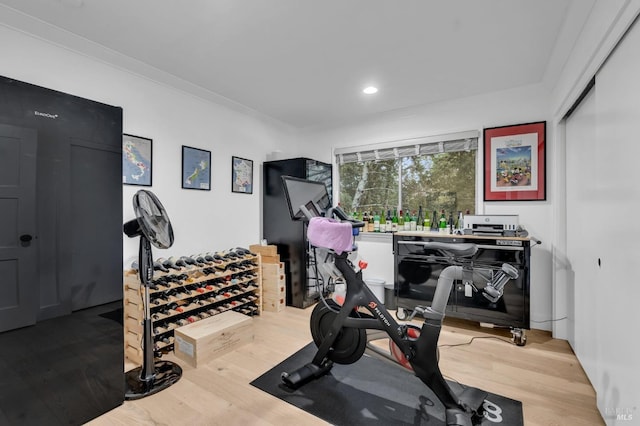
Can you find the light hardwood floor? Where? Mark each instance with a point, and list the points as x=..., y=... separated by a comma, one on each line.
x=545, y=375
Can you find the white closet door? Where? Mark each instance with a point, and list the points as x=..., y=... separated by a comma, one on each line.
x=603, y=231
x=618, y=245
x=583, y=220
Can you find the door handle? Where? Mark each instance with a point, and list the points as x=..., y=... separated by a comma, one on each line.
x=25, y=238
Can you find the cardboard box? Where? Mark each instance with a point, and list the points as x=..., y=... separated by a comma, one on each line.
x=212, y=337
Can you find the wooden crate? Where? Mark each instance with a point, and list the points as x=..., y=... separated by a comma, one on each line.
x=273, y=271
x=269, y=250
x=273, y=304
x=205, y=340
x=273, y=287
x=271, y=259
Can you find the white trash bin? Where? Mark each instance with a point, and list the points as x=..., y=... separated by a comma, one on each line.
x=377, y=287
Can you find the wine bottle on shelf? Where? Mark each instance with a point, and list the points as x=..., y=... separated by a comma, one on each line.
x=420, y=220
x=388, y=221
x=172, y=264
x=376, y=222
x=451, y=223
x=400, y=226
x=426, y=224
x=442, y=223
x=157, y=266
x=394, y=221
x=434, y=221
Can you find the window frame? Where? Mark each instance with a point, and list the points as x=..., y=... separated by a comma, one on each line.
x=428, y=143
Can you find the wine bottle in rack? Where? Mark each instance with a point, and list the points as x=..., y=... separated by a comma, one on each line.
x=158, y=266
x=188, y=260
x=201, y=260
x=178, y=262
x=211, y=257
x=170, y=264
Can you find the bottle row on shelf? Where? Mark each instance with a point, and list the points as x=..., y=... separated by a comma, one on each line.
x=187, y=289
x=203, y=278
x=176, y=305
x=410, y=221
x=216, y=259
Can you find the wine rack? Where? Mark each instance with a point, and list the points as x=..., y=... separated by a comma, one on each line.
x=188, y=294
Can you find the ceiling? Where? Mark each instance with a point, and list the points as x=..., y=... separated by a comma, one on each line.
x=305, y=62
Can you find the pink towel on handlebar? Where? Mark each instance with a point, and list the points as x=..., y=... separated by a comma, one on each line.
x=331, y=234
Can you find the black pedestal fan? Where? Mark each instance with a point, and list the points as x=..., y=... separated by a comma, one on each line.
x=152, y=225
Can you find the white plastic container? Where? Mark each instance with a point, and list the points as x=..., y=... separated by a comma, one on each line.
x=377, y=287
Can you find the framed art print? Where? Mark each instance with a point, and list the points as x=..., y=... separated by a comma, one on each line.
x=137, y=155
x=241, y=175
x=196, y=168
x=514, y=162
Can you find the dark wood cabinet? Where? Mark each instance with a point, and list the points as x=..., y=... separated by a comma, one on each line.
x=288, y=235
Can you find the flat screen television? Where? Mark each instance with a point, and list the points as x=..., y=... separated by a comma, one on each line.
x=305, y=198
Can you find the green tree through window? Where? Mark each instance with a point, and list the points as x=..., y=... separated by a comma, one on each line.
x=443, y=181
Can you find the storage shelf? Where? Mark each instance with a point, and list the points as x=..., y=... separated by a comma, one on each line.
x=187, y=295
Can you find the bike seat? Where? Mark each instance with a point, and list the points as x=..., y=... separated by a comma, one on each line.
x=330, y=234
x=456, y=249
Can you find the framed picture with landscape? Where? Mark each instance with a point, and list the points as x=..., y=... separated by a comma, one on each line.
x=196, y=168
x=136, y=160
x=514, y=162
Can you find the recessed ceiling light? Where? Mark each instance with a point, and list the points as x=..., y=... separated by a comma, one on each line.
x=370, y=90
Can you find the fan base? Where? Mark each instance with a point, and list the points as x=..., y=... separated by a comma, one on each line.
x=166, y=374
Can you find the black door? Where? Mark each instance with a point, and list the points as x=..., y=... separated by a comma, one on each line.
x=18, y=260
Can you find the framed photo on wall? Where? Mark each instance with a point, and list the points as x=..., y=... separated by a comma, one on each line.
x=196, y=168
x=515, y=162
x=137, y=155
x=241, y=175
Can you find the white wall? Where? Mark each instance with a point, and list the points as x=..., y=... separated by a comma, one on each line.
x=516, y=106
x=202, y=220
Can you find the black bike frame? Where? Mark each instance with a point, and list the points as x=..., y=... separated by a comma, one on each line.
x=420, y=352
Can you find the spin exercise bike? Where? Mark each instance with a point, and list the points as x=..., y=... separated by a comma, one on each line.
x=340, y=332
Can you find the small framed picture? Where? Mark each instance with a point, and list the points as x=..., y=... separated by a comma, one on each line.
x=514, y=162
x=241, y=175
x=137, y=156
x=196, y=168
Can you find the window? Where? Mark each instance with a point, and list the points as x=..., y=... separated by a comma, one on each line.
x=436, y=174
